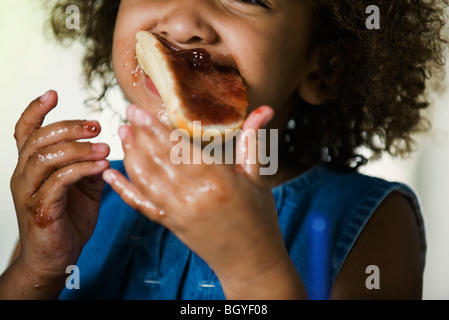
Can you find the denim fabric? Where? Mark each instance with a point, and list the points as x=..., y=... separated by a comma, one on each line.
x=130, y=257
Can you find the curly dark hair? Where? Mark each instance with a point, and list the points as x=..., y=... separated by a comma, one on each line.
x=377, y=79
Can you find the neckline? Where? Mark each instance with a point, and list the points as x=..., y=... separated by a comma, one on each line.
x=305, y=177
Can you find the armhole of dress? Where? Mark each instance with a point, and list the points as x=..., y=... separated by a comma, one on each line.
x=363, y=213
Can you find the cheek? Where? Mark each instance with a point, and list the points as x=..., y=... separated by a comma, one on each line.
x=125, y=63
x=277, y=71
x=272, y=74
x=130, y=77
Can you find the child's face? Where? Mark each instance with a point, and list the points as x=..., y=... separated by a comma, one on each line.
x=269, y=47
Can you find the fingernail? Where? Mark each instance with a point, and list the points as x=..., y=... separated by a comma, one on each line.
x=266, y=121
x=130, y=112
x=269, y=114
x=101, y=163
x=108, y=176
x=137, y=116
x=100, y=147
x=122, y=132
x=91, y=126
x=45, y=96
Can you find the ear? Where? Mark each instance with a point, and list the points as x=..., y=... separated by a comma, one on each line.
x=312, y=89
x=327, y=69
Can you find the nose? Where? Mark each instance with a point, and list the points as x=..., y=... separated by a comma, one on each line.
x=186, y=22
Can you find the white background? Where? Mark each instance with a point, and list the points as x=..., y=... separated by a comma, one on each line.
x=31, y=63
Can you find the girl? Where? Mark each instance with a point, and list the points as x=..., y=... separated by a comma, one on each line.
x=315, y=73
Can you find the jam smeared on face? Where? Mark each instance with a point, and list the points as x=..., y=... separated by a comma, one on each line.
x=198, y=59
x=214, y=94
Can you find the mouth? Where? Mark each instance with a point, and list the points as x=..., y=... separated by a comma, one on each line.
x=150, y=85
x=200, y=58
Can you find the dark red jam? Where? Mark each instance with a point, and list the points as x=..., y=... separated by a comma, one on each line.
x=213, y=94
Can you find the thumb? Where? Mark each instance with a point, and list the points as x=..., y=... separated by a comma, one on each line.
x=248, y=142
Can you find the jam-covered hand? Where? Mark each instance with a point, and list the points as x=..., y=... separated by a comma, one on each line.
x=224, y=213
x=56, y=189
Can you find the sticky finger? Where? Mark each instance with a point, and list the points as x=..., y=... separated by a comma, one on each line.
x=33, y=117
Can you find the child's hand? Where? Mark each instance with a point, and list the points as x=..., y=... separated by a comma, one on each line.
x=226, y=214
x=56, y=188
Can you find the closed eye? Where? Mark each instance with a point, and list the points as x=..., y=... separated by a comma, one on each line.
x=261, y=3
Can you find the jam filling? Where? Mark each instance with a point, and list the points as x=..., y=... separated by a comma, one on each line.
x=212, y=94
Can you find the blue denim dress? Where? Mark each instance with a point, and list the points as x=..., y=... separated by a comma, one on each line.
x=130, y=257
